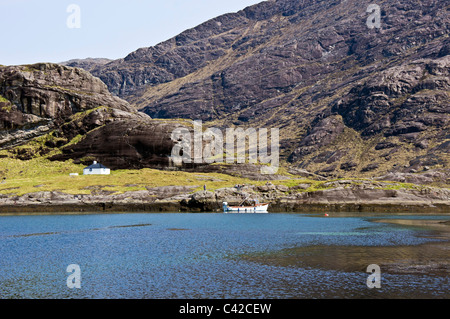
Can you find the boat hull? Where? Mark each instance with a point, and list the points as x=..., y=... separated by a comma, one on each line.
x=260, y=208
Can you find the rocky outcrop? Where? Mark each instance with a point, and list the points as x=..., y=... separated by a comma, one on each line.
x=421, y=178
x=322, y=134
x=39, y=97
x=124, y=144
x=406, y=99
x=78, y=117
x=52, y=90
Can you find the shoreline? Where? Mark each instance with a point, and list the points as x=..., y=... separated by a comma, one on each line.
x=341, y=196
x=172, y=207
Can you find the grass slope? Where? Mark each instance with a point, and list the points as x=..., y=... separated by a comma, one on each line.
x=41, y=174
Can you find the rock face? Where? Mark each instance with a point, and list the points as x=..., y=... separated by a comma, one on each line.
x=50, y=90
x=402, y=100
x=36, y=98
x=124, y=143
x=348, y=99
x=76, y=115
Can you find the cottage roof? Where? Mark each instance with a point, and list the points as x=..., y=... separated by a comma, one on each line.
x=96, y=165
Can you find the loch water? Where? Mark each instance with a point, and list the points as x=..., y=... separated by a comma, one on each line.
x=210, y=256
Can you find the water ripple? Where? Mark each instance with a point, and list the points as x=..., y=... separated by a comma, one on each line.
x=217, y=256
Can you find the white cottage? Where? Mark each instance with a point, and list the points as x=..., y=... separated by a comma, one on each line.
x=96, y=169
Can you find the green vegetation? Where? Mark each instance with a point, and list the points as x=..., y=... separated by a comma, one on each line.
x=41, y=174
x=28, y=68
x=6, y=107
x=52, y=143
x=75, y=140
x=80, y=115
x=38, y=173
x=398, y=185
x=38, y=146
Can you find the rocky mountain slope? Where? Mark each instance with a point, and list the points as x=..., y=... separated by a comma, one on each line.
x=87, y=64
x=350, y=100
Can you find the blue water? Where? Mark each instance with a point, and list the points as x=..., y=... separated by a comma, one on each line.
x=194, y=256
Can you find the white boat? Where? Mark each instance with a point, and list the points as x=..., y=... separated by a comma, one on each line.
x=257, y=208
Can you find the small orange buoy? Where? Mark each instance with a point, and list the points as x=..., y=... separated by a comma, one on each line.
x=326, y=215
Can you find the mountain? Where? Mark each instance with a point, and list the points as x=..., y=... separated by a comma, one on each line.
x=87, y=64
x=349, y=100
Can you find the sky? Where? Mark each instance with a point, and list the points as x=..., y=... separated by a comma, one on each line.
x=55, y=30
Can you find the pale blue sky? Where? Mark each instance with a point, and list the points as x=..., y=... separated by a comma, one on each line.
x=36, y=30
